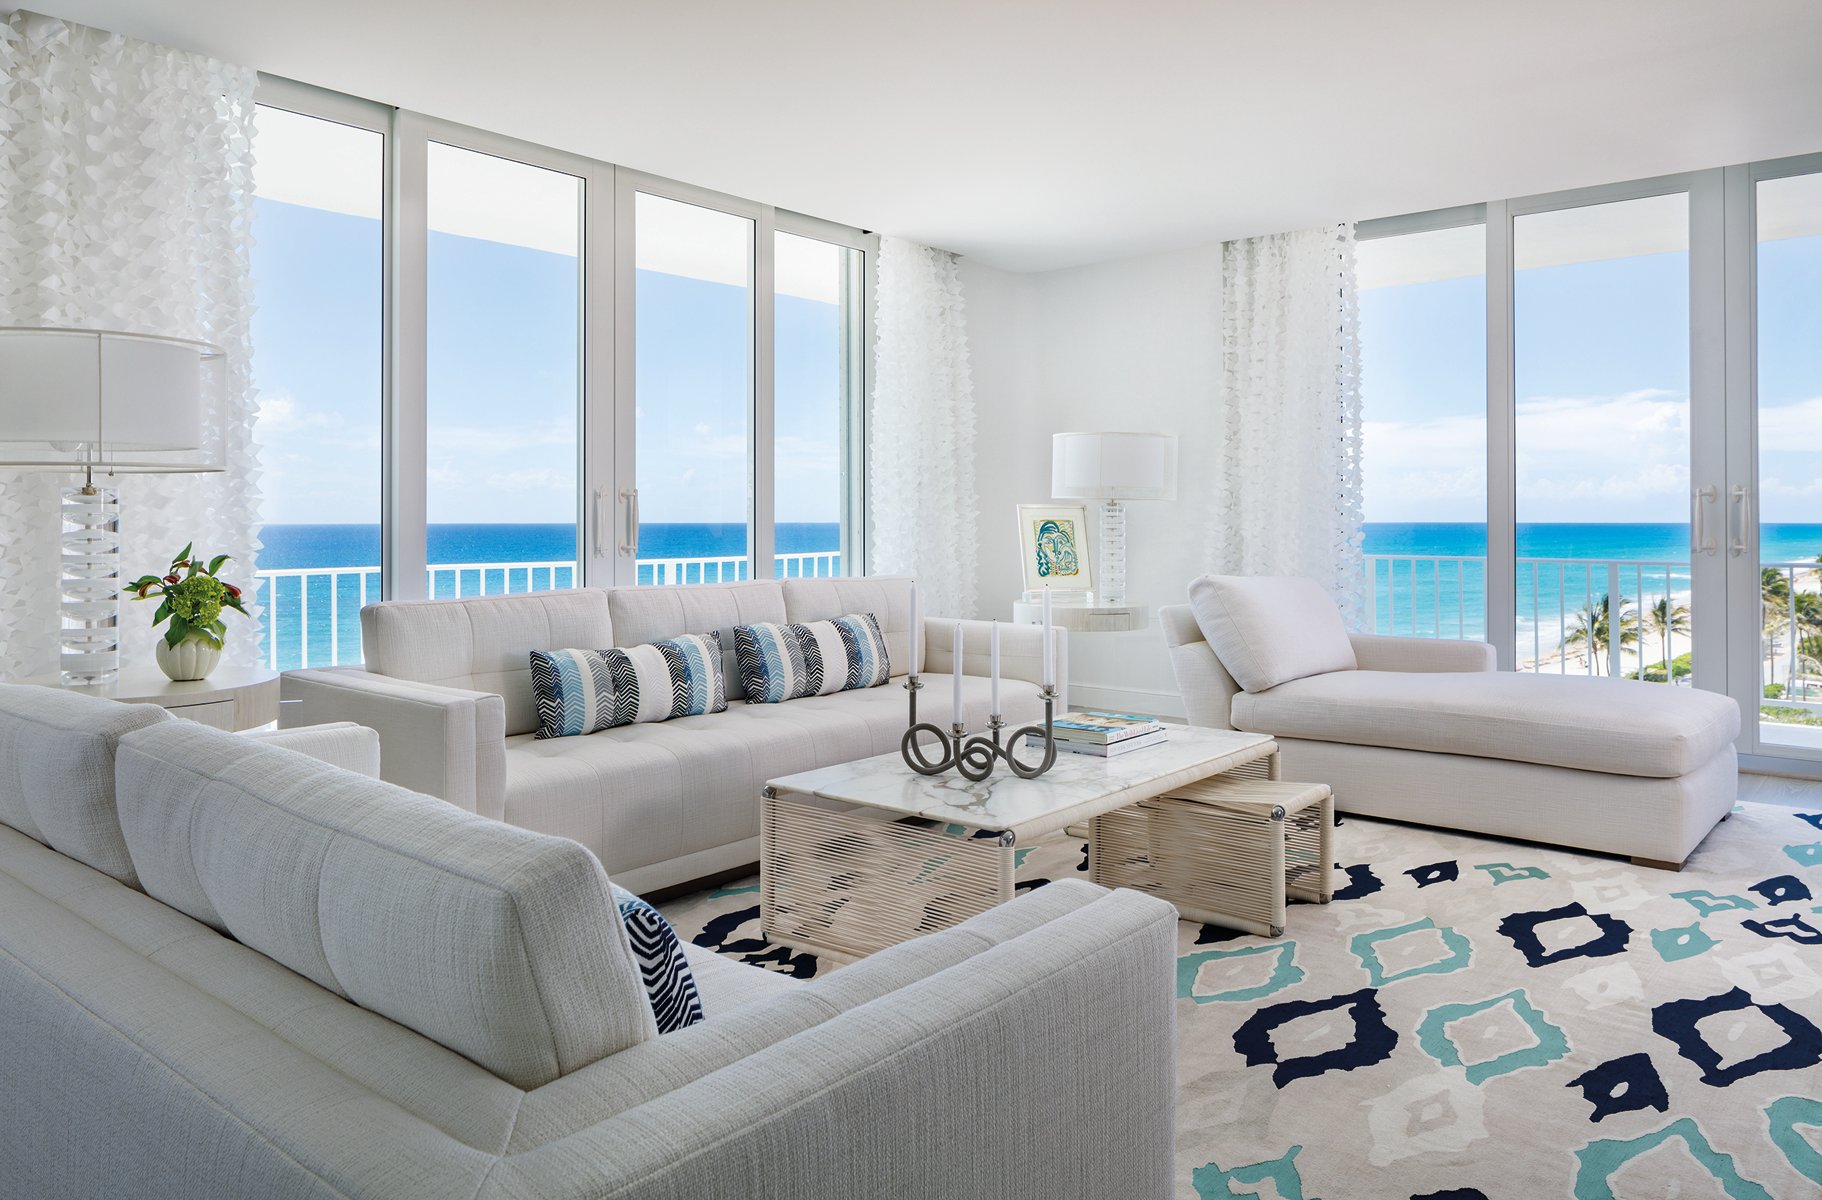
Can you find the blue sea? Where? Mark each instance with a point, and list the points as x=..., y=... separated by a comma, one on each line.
x=1424, y=596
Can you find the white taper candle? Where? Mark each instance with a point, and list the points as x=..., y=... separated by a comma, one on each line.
x=917, y=631
x=993, y=664
x=1050, y=645
x=957, y=669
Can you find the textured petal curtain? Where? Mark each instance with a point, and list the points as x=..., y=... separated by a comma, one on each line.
x=1286, y=494
x=922, y=499
x=126, y=176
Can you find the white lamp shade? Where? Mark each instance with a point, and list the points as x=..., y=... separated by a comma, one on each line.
x=74, y=398
x=1113, y=466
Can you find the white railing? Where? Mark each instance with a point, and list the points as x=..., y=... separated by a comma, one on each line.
x=1565, y=620
x=335, y=595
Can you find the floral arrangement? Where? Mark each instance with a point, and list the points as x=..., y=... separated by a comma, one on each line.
x=191, y=597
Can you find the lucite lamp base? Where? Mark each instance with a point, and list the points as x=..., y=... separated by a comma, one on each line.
x=1111, y=587
x=89, y=593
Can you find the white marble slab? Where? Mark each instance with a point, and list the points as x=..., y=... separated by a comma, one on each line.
x=1078, y=787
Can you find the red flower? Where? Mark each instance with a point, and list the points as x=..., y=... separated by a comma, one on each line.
x=170, y=579
x=232, y=590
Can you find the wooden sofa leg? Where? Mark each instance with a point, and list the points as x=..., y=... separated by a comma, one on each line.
x=1657, y=864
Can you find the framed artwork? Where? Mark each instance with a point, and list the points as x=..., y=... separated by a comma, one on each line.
x=1053, y=539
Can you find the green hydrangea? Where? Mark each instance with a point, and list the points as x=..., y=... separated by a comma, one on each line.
x=198, y=599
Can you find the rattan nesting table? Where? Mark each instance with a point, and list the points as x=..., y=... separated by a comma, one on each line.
x=857, y=857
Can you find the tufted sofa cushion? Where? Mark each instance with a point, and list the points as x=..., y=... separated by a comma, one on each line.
x=483, y=644
x=57, y=771
x=501, y=944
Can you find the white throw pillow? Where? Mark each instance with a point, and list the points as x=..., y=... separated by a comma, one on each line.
x=1271, y=629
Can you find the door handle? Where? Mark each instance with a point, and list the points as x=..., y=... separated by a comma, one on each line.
x=1698, y=504
x=629, y=545
x=1736, y=538
x=600, y=529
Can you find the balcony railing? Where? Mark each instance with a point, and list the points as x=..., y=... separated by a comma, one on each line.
x=1565, y=623
x=312, y=615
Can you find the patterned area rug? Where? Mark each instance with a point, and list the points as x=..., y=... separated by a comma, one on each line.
x=1476, y=1018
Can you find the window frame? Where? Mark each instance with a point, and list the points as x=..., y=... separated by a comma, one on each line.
x=607, y=433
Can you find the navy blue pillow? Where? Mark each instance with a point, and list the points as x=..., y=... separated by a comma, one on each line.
x=670, y=985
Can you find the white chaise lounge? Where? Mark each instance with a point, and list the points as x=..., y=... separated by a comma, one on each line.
x=1426, y=730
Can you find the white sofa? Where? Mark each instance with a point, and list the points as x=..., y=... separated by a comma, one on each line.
x=1426, y=730
x=229, y=970
x=447, y=684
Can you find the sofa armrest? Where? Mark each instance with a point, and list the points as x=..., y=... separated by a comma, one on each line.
x=1377, y=652
x=1021, y=652
x=339, y=743
x=1208, y=690
x=444, y=742
x=1069, y=996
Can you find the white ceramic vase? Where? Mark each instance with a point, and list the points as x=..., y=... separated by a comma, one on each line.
x=191, y=658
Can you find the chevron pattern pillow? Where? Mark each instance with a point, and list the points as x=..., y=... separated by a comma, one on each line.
x=582, y=691
x=783, y=662
x=669, y=983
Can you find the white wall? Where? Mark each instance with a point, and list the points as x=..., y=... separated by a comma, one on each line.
x=1128, y=345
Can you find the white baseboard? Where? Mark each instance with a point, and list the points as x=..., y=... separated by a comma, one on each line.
x=1112, y=698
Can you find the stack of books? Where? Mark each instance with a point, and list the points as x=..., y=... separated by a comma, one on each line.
x=1104, y=734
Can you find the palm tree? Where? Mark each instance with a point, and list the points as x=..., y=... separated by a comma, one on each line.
x=1774, y=593
x=1667, y=621
x=1592, y=626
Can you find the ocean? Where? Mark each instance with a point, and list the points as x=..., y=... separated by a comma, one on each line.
x=1422, y=597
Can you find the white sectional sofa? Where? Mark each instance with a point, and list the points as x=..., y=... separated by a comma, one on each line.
x=230, y=970
x=1426, y=730
x=447, y=685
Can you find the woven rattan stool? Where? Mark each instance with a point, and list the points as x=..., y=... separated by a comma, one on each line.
x=1226, y=851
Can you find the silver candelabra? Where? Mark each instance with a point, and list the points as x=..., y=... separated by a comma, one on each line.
x=974, y=757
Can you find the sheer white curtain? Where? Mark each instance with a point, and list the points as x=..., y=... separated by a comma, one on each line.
x=922, y=497
x=125, y=204
x=1286, y=496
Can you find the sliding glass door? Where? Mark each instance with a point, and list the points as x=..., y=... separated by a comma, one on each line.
x=1601, y=328
x=503, y=382
x=1773, y=528
x=1652, y=434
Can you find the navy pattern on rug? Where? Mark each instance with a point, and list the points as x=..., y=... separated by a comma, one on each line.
x=1477, y=1018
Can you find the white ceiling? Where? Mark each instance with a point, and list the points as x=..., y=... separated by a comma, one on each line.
x=1035, y=135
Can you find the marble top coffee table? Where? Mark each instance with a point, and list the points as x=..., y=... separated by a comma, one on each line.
x=867, y=854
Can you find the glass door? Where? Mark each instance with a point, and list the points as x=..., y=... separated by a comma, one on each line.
x=504, y=374
x=1602, y=439
x=688, y=513
x=1773, y=528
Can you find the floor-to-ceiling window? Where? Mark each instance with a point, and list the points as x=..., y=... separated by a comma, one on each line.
x=1601, y=378
x=1788, y=262
x=818, y=291
x=503, y=355
x=694, y=391
x=1652, y=442
x=492, y=367
x=1423, y=386
x=317, y=266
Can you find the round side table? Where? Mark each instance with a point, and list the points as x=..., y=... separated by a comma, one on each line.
x=231, y=698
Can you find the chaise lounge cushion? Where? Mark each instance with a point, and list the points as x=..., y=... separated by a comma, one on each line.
x=501, y=944
x=1268, y=630
x=1616, y=726
x=57, y=771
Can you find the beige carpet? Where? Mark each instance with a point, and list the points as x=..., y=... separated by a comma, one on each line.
x=1474, y=1018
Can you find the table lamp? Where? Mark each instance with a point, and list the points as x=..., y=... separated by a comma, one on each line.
x=100, y=403
x=1113, y=468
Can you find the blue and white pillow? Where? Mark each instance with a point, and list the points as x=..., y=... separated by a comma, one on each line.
x=783, y=662
x=582, y=691
x=670, y=985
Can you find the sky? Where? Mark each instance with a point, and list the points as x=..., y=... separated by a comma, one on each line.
x=1602, y=372
x=502, y=383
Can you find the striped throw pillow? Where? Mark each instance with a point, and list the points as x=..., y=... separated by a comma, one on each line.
x=783, y=662
x=582, y=691
x=670, y=985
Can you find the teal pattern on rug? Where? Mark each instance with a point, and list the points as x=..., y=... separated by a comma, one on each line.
x=1478, y=1018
